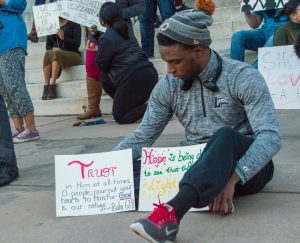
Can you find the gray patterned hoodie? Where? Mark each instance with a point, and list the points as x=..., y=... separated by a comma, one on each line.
x=243, y=102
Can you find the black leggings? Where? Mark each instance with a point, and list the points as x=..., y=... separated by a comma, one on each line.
x=130, y=97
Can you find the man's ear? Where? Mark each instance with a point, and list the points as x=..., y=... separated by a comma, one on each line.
x=198, y=51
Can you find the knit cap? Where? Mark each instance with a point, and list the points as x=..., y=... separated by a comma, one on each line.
x=189, y=27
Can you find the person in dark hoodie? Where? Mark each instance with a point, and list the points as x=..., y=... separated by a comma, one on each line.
x=126, y=74
x=130, y=9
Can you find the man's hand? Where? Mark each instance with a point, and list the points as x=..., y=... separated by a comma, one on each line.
x=61, y=34
x=225, y=197
x=94, y=30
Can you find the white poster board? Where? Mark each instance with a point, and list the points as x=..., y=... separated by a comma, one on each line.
x=280, y=67
x=89, y=184
x=46, y=23
x=161, y=171
x=258, y=5
x=81, y=12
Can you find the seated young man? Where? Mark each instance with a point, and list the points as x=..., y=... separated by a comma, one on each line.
x=257, y=37
x=223, y=102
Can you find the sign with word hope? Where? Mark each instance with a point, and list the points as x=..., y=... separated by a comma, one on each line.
x=258, y=5
x=84, y=12
x=161, y=171
x=280, y=67
x=89, y=184
x=46, y=23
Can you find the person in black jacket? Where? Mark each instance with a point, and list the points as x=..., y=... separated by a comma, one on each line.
x=130, y=8
x=62, y=52
x=297, y=46
x=127, y=76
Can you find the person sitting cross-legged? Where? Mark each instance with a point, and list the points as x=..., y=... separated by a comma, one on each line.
x=219, y=101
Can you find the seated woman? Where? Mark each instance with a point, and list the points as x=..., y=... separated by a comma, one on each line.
x=127, y=75
x=62, y=52
x=286, y=34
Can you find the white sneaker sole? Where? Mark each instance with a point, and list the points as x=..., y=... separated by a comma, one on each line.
x=16, y=141
x=139, y=229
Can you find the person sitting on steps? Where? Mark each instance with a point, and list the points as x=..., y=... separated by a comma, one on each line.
x=62, y=52
x=127, y=75
x=287, y=34
x=242, y=134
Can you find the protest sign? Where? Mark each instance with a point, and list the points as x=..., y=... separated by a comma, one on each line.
x=84, y=12
x=89, y=184
x=280, y=67
x=258, y=5
x=161, y=171
x=46, y=23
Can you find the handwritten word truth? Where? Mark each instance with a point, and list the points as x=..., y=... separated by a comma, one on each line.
x=105, y=172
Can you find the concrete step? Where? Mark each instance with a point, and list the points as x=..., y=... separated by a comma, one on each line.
x=250, y=56
x=68, y=106
x=36, y=62
x=35, y=49
x=69, y=89
x=36, y=76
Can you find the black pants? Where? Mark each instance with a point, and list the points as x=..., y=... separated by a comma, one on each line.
x=210, y=174
x=130, y=97
x=7, y=152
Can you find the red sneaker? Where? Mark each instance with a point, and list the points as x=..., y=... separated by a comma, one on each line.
x=160, y=226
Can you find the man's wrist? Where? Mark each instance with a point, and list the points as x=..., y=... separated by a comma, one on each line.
x=235, y=178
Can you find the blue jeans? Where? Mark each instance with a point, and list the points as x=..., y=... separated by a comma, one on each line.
x=251, y=40
x=40, y=2
x=166, y=8
x=7, y=152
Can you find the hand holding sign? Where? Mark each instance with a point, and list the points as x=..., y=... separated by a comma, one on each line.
x=61, y=34
x=94, y=29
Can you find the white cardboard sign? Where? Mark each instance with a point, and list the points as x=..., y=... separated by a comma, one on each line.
x=161, y=171
x=83, y=12
x=90, y=184
x=258, y=5
x=280, y=67
x=46, y=23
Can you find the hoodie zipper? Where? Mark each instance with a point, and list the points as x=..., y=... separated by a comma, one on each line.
x=202, y=97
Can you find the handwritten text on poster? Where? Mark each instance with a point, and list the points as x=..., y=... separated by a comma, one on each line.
x=89, y=184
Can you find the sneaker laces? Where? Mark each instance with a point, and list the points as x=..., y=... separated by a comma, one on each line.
x=161, y=215
x=24, y=134
x=15, y=132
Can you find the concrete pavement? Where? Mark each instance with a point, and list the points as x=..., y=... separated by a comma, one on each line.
x=27, y=206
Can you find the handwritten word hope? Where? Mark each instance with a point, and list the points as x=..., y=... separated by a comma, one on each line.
x=154, y=160
x=105, y=172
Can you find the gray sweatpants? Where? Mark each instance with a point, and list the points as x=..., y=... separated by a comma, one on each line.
x=12, y=83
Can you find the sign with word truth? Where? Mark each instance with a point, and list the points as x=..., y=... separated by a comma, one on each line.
x=83, y=12
x=161, y=171
x=46, y=23
x=280, y=67
x=89, y=184
x=258, y=5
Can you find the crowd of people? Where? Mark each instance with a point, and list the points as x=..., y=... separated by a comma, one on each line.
x=242, y=136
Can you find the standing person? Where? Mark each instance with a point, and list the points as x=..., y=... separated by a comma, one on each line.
x=287, y=34
x=219, y=101
x=166, y=8
x=127, y=76
x=13, y=89
x=62, y=52
x=32, y=36
x=258, y=37
x=130, y=8
x=8, y=162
